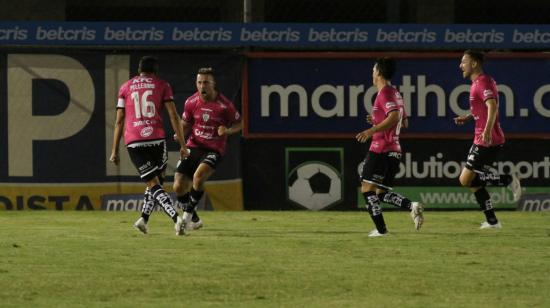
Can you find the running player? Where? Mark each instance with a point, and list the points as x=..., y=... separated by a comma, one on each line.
x=382, y=160
x=208, y=118
x=488, y=138
x=140, y=103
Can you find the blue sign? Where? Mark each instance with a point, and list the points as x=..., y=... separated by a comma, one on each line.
x=297, y=96
x=320, y=35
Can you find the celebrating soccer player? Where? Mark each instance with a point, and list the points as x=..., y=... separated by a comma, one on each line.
x=488, y=138
x=208, y=118
x=382, y=160
x=140, y=102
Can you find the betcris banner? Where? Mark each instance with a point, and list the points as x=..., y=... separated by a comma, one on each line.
x=301, y=95
x=320, y=35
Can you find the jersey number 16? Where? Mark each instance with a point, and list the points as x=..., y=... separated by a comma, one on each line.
x=142, y=106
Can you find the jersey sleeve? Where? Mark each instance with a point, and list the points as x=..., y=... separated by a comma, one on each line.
x=487, y=89
x=167, y=93
x=121, y=97
x=389, y=102
x=232, y=116
x=187, y=114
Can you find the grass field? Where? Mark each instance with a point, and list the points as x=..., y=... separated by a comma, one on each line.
x=273, y=259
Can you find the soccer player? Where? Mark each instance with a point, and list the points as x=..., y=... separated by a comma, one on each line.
x=488, y=138
x=208, y=118
x=382, y=160
x=140, y=103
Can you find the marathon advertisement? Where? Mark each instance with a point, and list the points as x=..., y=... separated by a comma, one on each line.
x=57, y=113
x=429, y=172
x=303, y=95
x=277, y=35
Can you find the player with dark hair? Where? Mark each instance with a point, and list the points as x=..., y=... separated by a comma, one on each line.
x=140, y=103
x=488, y=138
x=382, y=160
x=208, y=118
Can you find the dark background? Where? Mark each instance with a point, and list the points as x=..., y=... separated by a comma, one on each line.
x=329, y=11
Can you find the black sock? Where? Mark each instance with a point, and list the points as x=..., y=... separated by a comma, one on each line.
x=395, y=199
x=195, y=217
x=501, y=180
x=194, y=198
x=375, y=211
x=184, y=200
x=165, y=201
x=494, y=179
x=478, y=182
x=484, y=200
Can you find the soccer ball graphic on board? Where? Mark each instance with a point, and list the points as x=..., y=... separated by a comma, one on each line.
x=314, y=185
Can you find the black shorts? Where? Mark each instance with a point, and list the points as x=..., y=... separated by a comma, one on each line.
x=481, y=158
x=150, y=160
x=189, y=165
x=380, y=168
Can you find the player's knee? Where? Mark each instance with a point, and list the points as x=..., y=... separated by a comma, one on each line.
x=178, y=187
x=464, y=181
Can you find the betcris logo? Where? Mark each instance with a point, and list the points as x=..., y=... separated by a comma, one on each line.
x=324, y=97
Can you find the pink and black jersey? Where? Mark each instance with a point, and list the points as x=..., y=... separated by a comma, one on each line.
x=143, y=99
x=483, y=88
x=388, y=100
x=205, y=118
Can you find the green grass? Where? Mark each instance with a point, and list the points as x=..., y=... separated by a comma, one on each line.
x=273, y=259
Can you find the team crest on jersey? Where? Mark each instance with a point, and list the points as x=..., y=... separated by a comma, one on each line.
x=205, y=117
x=146, y=131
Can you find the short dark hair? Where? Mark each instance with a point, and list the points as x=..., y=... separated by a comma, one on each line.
x=206, y=71
x=476, y=55
x=386, y=67
x=148, y=64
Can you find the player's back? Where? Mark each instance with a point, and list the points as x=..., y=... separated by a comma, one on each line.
x=144, y=97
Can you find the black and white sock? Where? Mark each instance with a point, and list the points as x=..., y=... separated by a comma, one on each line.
x=194, y=198
x=375, y=211
x=395, y=199
x=195, y=217
x=501, y=180
x=184, y=201
x=148, y=205
x=165, y=201
x=494, y=179
x=484, y=200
